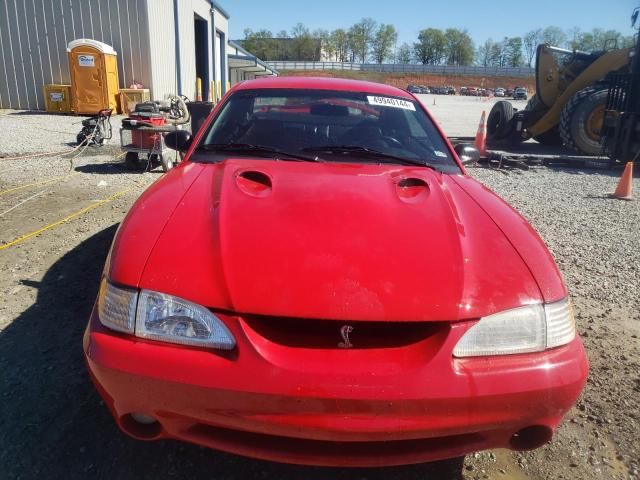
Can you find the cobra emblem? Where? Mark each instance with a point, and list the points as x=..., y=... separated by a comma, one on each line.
x=345, y=331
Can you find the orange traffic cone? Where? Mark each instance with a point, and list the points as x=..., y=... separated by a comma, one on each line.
x=481, y=136
x=625, y=187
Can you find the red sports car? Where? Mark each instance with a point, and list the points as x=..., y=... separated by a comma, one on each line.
x=326, y=285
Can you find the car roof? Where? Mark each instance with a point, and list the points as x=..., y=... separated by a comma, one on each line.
x=323, y=83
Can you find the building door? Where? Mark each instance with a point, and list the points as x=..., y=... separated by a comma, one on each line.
x=201, y=35
x=224, y=75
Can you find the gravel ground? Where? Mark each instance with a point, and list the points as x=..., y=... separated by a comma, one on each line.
x=594, y=241
x=53, y=424
x=25, y=132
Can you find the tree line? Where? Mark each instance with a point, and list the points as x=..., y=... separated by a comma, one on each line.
x=362, y=42
x=370, y=41
x=521, y=51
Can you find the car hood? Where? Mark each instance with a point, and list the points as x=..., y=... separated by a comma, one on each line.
x=336, y=241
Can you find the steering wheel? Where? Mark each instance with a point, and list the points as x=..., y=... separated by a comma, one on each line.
x=240, y=130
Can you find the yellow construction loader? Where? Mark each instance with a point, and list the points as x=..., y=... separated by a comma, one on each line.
x=570, y=101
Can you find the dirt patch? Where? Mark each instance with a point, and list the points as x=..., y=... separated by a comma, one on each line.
x=402, y=80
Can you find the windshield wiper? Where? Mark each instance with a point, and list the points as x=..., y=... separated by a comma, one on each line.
x=367, y=152
x=257, y=149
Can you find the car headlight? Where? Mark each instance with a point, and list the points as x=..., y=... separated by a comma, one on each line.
x=532, y=328
x=161, y=317
x=117, y=307
x=170, y=319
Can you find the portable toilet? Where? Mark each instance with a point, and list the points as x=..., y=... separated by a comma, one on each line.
x=94, y=76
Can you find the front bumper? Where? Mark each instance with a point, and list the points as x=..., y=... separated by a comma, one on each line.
x=335, y=408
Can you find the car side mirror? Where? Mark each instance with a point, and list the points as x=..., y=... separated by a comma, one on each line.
x=467, y=153
x=179, y=140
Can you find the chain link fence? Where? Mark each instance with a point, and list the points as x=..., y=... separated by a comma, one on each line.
x=407, y=68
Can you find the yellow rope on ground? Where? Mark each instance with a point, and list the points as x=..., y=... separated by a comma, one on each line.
x=44, y=182
x=67, y=218
x=44, y=154
x=51, y=180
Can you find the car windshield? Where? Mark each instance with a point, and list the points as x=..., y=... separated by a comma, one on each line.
x=319, y=125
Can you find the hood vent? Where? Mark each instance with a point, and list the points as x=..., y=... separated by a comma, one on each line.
x=412, y=189
x=254, y=183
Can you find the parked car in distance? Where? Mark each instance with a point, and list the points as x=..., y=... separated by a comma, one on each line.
x=508, y=92
x=451, y=90
x=463, y=91
x=424, y=90
x=414, y=89
x=318, y=285
x=499, y=92
x=520, y=93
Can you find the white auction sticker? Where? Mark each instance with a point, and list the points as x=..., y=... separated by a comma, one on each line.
x=391, y=102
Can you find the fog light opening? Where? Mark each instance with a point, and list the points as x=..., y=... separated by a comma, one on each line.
x=143, y=419
x=530, y=438
x=141, y=426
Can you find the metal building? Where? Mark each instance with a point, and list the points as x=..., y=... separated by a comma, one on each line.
x=162, y=44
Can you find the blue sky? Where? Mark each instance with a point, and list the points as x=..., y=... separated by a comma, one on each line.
x=496, y=19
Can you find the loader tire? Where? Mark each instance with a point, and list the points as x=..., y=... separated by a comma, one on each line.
x=581, y=121
x=499, y=124
x=534, y=104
